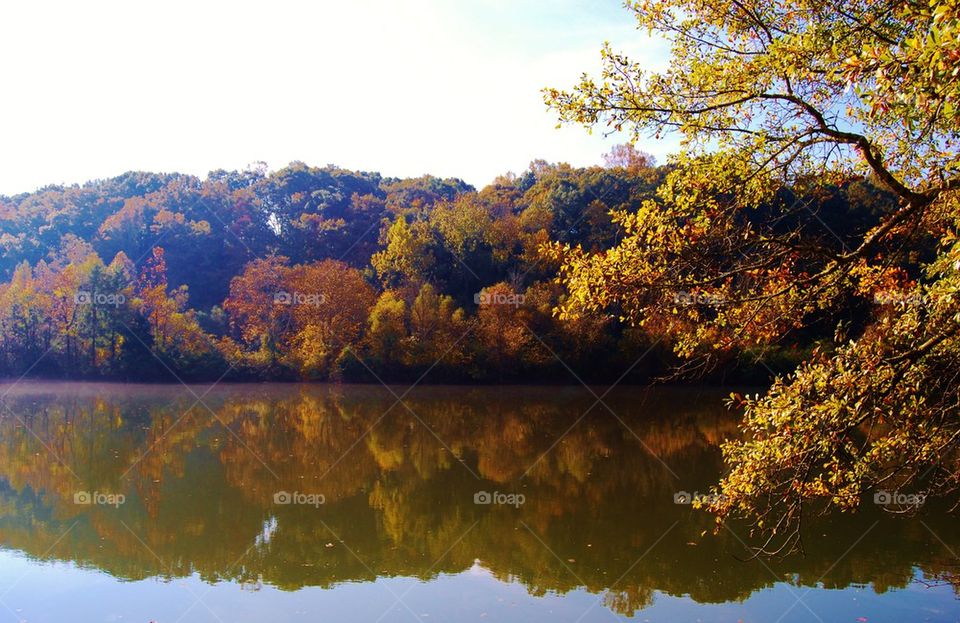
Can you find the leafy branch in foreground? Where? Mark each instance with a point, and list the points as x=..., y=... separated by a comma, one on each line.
x=774, y=102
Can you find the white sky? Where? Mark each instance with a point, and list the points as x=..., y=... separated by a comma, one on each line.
x=92, y=89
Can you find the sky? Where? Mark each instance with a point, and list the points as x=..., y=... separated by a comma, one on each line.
x=89, y=90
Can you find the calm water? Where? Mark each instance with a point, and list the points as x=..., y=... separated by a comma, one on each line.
x=288, y=503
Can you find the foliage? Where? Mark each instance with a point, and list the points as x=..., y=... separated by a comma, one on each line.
x=781, y=105
x=309, y=273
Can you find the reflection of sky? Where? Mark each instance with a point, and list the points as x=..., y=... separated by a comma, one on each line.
x=405, y=88
x=61, y=592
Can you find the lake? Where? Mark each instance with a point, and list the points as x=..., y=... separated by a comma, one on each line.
x=358, y=503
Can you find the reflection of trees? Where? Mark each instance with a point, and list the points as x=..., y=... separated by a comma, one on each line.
x=200, y=496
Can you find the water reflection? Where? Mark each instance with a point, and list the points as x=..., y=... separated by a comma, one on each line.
x=399, y=484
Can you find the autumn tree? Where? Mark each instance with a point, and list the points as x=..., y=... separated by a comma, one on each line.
x=503, y=330
x=627, y=156
x=386, y=334
x=773, y=101
x=173, y=325
x=406, y=256
x=329, y=304
x=22, y=327
x=438, y=331
x=255, y=319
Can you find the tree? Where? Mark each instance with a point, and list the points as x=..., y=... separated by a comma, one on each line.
x=503, y=330
x=773, y=102
x=406, y=257
x=627, y=156
x=437, y=331
x=329, y=304
x=255, y=317
x=387, y=331
x=316, y=213
x=21, y=320
x=174, y=327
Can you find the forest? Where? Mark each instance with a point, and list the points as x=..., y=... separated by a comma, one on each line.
x=310, y=273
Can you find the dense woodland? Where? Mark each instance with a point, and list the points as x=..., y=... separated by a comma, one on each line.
x=325, y=273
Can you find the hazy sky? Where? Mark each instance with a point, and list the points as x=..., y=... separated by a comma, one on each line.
x=452, y=88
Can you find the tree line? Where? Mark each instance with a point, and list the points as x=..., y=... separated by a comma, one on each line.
x=324, y=273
